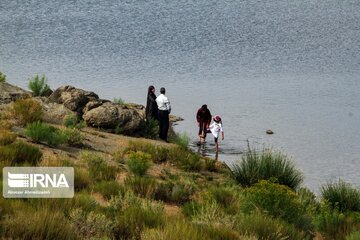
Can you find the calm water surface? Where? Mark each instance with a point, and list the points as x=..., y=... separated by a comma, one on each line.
x=292, y=66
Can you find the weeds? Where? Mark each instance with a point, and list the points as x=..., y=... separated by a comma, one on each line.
x=119, y=101
x=43, y=132
x=142, y=186
x=6, y=137
x=108, y=189
x=2, y=77
x=182, y=140
x=20, y=153
x=73, y=136
x=81, y=179
x=99, y=170
x=73, y=121
x=26, y=111
x=139, y=163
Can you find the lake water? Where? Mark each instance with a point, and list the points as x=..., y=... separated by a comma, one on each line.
x=291, y=66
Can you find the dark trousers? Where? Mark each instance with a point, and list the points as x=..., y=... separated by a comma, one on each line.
x=163, y=124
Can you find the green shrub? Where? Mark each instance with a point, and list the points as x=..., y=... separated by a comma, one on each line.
x=159, y=154
x=342, y=196
x=151, y=128
x=182, y=140
x=266, y=165
x=99, y=170
x=84, y=201
x=142, y=186
x=354, y=236
x=137, y=215
x=6, y=137
x=38, y=86
x=90, y=225
x=26, y=111
x=81, y=179
x=43, y=132
x=73, y=121
x=20, y=153
x=211, y=213
x=2, y=77
x=177, y=192
x=43, y=224
x=334, y=224
x=191, y=208
x=308, y=200
x=227, y=197
x=277, y=201
x=139, y=163
x=73, y=136
x=108, y=189
x=119, y=101
x=267, y=228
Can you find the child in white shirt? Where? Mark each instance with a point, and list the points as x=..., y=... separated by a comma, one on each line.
x=216, y=128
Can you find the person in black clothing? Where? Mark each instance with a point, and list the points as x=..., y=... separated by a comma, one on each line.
x=203, y=117
x=151, y=106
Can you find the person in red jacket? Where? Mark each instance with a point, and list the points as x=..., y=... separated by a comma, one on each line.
x=203, y=117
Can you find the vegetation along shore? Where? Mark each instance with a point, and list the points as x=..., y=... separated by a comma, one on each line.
x=128, y=185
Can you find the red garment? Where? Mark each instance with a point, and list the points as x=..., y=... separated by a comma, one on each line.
x=203, y=117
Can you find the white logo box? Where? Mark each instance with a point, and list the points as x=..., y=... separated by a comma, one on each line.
x=38, y=182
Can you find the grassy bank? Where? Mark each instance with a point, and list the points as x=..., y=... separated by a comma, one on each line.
x=135, y=188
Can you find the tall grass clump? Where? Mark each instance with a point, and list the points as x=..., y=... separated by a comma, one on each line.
x=73, y=121
x=141, y=186
x=265, y=165
x=139, y=162
x=108, y=189
x=26, y=111
x=182, y=140
x=20, y=153
x=2, y=77
x=81, y=179
x=73, y=136
x=43, y=132
x=99, y=169
x=43, y=224
x=6, y=137
x=354, y=236
x=39, y=85
x=342, y=196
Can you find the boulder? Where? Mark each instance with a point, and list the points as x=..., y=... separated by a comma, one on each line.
x=10, y=93
x=73, y=98
x=53, y=112
x=114, y=116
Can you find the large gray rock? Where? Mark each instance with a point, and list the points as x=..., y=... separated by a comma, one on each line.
x=10, y=93
x=53, y=112
x=114, y=116
x=73, y=98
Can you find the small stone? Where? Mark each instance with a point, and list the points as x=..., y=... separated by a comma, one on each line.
x=269, y=131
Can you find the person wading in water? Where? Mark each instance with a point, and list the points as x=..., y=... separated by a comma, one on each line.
x=203, y=117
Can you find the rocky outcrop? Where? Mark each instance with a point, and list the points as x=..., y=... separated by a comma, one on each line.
x=73, y=98
x=10, y=93
x=114, y=116
x=53, y=112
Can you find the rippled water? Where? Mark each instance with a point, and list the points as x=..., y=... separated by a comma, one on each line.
x=292, y=66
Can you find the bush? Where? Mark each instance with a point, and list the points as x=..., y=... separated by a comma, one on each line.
x=139, y=163
x=354, y=236
x=6, y=137
x=73, y=136
x=334, y=224
x=158, y=153
x=141, y=186
x=26, y=111
x=264, y=166
x=84, y=201
x=43, y=132
x=224, y=196
x=135, y=215
x=108, y=189
x=191, y=163
x=210, y=165
x=99, y=170
x=182, y=140
x=177, y=192
x=90, y=225
x=278, y=201
x=38, y=86
x=119, y=101
x=342, y=196
x=73, y=121
x=151, y=128
x=2, y=77
x=266, y=228
x=20, y=153
x=43, y=224
x=81, y=179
